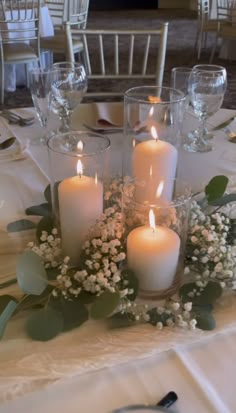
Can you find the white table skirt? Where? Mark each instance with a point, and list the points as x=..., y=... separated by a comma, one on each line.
x=94, y=370
x=15, y=74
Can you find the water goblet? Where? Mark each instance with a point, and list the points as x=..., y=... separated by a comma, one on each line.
x=207, y=85
x=69, y=84
x=40, y=85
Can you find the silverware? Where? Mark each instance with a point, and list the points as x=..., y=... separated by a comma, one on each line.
x=103, y=130
x=7, y=143
x=224, y=124
x=14, y=118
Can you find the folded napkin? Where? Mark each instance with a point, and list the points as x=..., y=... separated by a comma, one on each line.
x=107, y=114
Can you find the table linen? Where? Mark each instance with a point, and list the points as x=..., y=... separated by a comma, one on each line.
x=94, y=369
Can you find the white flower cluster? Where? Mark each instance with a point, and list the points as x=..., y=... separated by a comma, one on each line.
x=49, y=249
x=171, y=314
x=208, y=251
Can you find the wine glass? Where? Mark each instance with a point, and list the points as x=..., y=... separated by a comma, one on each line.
x=40, y=85
x=68, y=86
x=207, y=86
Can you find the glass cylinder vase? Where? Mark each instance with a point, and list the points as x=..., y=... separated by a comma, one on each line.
x=79, y=169
x=156, y=232
x=152, y=122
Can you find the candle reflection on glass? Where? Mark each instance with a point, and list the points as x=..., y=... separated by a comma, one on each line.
x=153, y=254
x=154, y=160
x=80, y=205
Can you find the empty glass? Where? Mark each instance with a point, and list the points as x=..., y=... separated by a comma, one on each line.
x=180, y=80
x=207, y=86
x=40, y=85
x=69, y=84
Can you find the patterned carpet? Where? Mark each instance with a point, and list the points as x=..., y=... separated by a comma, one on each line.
x=180, y=51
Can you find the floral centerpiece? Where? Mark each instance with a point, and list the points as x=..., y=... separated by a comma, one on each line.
x=61, y=296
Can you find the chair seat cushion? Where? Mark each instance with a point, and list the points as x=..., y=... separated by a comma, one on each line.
x=14, y=52
x=57, y=43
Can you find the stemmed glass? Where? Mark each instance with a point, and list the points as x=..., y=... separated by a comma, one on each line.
x=68, y=86
x=40, y=86
x=207, y=86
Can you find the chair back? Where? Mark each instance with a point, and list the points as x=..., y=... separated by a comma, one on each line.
x=73, y=11
x=203, y=10
x=123, y=54
x=19, y=21
x=57, y=11
x=225, y=9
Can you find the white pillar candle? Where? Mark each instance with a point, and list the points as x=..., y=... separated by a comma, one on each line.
x=154, y=161
x=153, y=254
x=80, y=205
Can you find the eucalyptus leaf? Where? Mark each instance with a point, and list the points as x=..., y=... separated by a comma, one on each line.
x=6, y=315
x=6, y=284
x=43, y=210
x=86, y=298
x=155, y=317
x=120, y=320
x=34, y=301
x=31, y=274
x=205, y=320
x=224, y=200
x=47, y=194
x=43, y=325
x=45, y=224
x=133, y=282
x=104, y=305
x=209, y=294
x=20, y=225
x=216, y=187
x=74, y=313
x=4, y=300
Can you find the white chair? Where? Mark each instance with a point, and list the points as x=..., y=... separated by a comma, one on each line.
x=104, y=50
x=226, y=14
x=19, y=34
x=73, y=11
x=205, y=25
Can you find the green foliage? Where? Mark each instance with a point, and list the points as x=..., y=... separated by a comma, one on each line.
x=20, y=225
x=73, y=312
x=205, y=320
x=155, y=317
x=133, y=281
x=4, y=300
x=6, y=315
x=45, y=224
x=43, y=210
x=208, y=295
x=216, y=188
x=104, y=305
x=44, y=324
x=47, y=194
x=31, y=274
x=120, y=320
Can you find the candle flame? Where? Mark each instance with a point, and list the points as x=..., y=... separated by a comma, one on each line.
x=151, y=111
x=134, y=143
x=152, y=222
x=80, y=146
x=160, y=189
x=96, y=178
x=154, y=133
x=79, y=168
x=154, y=99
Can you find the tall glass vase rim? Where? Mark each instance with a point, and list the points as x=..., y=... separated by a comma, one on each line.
x=209, y=67
x=54, y=141
x=143, y=89
x=183, y=196
x=66, y=64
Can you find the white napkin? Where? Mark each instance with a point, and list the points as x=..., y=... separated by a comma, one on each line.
x=107, y=114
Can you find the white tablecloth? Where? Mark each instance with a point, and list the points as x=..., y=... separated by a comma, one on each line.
x=92, y=369
x=15, y=74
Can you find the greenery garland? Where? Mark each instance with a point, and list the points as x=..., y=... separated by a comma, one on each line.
x=64, y=297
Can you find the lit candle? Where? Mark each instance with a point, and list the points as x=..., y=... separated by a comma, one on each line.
x=80, y=205
x=154, y=161
x=153, y=255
